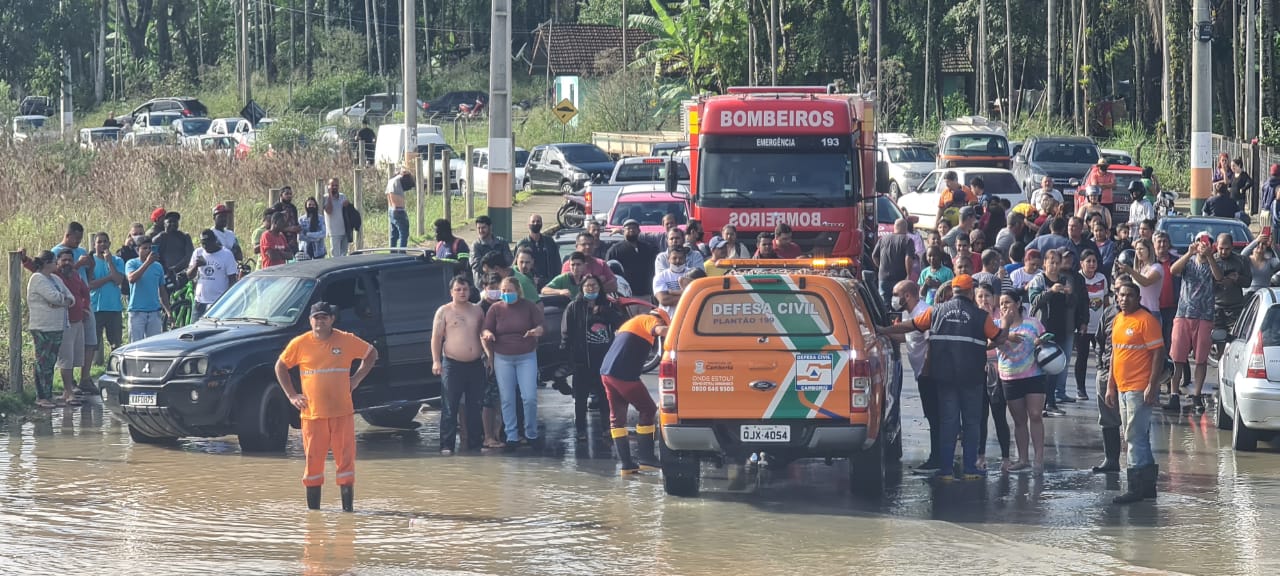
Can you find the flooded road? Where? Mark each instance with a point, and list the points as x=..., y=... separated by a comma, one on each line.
x=77, y=497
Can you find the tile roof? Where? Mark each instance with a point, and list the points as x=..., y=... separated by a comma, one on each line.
x=575, y=49
x=956, y=60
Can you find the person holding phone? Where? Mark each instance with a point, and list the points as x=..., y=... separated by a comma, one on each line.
x=1263, y=262
x=1193, y=321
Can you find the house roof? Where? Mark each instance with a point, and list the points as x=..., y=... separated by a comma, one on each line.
x=957, y=60
x=575, y=49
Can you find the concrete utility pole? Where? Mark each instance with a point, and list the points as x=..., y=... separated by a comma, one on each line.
x=409, y=70
x=246, y=76
x=68, y=123
x=1201, y=107
x=501, y=143
x=1250, y=77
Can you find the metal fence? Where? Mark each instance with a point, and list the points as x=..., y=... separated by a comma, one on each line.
x=1257, y=161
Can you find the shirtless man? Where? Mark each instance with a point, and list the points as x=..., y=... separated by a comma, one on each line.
x=458, y=358
x=396, y=188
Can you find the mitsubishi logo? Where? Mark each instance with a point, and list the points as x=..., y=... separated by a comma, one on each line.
x=146, y=367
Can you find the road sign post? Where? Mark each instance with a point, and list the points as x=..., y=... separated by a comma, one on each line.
x=564, y=111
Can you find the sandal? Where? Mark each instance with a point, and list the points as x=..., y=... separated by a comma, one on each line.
x=1020, y=467
x=73, y=401
x=46, y=404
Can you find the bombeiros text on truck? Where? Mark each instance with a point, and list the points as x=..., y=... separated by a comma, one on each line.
x=800, y=155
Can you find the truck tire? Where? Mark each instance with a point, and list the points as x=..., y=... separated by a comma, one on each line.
x=866, y=471
x=139, y=438
x=895, y=191
x=655, y=356
x=262, y=418
x=400, y=417
x=681, y=471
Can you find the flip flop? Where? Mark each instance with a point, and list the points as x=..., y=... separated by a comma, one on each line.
x=73, y=401
x=46, y=404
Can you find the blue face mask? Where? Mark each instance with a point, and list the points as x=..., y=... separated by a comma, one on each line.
x=590, y=295
x=510, y=297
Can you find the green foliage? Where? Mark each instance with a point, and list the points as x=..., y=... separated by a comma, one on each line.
x=609, y=12
x=955, y=104
x=703, y=43
x=14, y=404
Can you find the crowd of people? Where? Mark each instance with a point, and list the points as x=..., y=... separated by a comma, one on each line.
x=1074, y=282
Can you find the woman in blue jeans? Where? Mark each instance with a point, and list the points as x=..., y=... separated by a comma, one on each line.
x=512, y=328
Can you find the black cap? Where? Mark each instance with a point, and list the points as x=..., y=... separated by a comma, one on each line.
x=172, y=216
x=321, y=307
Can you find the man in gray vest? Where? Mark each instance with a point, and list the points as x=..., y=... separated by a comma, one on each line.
x=959, y=334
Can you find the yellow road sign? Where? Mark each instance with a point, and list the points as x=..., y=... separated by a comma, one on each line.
x=565, y=111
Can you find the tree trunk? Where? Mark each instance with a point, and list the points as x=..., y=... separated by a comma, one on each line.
x=100, y=55
x=135, y=30
x=308, y=53
x=1085, y=83
x=1051, y=49
x=164, y=48
x=928, y=50
x=1166, y=88
x=1012, y=103
x=368, y=33
x=378, y=39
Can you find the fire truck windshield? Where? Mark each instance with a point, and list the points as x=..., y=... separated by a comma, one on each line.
x=775, y=178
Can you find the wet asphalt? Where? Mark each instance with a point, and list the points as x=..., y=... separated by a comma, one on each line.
x=77, y=497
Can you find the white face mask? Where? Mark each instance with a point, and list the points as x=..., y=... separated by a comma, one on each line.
x=678, y=269
x=493, y=294
x=896, y=303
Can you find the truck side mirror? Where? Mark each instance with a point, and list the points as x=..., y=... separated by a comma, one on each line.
x=671, y=179
x=882, y=177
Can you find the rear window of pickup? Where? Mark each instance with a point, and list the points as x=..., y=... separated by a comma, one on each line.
x=763, y=313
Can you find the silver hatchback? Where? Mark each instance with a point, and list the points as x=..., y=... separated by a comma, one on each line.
x=1249, y=373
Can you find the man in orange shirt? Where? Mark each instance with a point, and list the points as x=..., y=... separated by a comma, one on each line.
x=1103, y=179
x=323, y=357
x=1137, y=358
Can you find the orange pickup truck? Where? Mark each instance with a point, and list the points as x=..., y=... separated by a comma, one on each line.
x=780, y=357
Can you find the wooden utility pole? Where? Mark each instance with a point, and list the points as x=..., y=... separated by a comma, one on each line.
x=1051, y=60
x=15, y=321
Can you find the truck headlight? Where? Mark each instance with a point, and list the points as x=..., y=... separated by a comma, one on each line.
x=113, y=364
x=193, y=367
x=580, y=176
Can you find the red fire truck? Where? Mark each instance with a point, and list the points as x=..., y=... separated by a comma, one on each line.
x=800, y=155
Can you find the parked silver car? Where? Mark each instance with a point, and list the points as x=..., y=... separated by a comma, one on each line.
x=1249, y=373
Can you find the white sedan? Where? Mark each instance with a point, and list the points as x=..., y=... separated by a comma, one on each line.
x=1249, y=373
x=923, y=202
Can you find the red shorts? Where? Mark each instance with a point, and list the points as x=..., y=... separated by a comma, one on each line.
x=1189, y=333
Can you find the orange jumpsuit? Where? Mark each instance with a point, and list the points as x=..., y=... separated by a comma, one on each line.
x=328, y=423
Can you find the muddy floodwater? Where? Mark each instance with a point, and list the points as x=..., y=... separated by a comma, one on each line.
x=77, y=497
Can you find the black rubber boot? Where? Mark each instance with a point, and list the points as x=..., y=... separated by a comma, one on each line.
x=1149, y=476
x=313, y=497
x=623, y=445
x=1174, y=405
x=1133, y=487
x=1111, y=448
x=348, y=497
x=647, y=457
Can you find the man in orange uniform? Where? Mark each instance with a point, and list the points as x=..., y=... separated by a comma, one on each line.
x=1137, y=358
x=620, y=372
x=323, y=357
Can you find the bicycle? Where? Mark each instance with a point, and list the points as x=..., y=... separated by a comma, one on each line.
x=182, y=297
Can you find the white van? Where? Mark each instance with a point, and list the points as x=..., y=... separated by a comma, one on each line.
x=388, y=152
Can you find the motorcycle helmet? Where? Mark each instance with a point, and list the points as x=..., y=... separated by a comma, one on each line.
x=1275, y=280
x=1128, y=258
x=1137, y=189
x=1051, y=359
x=616, y=267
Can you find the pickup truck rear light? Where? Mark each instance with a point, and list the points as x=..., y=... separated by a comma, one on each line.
x=1257, y=366
x=667, y=385
x=586, y=196
x=860, y=386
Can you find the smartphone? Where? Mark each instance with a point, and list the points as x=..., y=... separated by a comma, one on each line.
x=1266, y=231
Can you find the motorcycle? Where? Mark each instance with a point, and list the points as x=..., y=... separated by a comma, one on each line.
x=1165, y=204
x=573, y=213
x=470, y=111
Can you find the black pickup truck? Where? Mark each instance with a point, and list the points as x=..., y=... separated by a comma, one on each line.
x=216, y=377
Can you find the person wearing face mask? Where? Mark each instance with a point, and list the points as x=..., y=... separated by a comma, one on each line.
x=907, y=301
x=666, y=284
x=546, y=255
x=676, y=238
x=511, y=332
x=587, y=331
x=636, y=254
x=313, y=230
x=491, y=414
x=448, y=245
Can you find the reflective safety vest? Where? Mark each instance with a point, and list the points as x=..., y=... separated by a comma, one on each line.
x=958, y=342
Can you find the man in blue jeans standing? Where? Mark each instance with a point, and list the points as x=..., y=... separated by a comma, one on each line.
x=399, y=218
x=1137, y=360
x=959, y=334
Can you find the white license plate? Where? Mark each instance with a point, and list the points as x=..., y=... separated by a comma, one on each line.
x=142, y=399
x=1122, y=207
x=762, y=433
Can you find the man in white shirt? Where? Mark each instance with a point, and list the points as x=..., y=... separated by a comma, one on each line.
x=1046, y=190
x=334, y=223
x=666, y=283
x=675, y=237
x=1141, y=208
x=222, y=217
x=214, y=270
x=906, y=299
